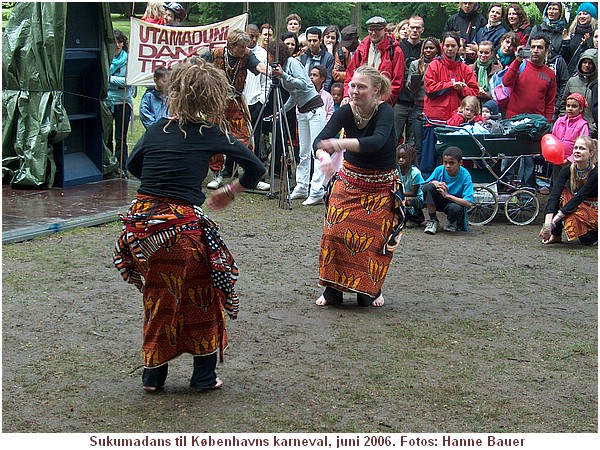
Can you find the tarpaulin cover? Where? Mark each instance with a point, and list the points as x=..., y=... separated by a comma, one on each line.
x=33, y=115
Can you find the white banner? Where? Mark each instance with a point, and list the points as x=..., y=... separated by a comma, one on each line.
x=152, y=46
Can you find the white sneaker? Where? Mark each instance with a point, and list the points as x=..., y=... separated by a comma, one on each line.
x=262, y=186
x=215, y=183
x=313, y=200
x=432, y=226
x=298, y=192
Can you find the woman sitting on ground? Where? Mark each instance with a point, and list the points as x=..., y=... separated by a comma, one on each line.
x=573, y=203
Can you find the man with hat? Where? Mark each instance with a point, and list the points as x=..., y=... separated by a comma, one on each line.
x=345, y=52
x=174, y=14
x=382, y=51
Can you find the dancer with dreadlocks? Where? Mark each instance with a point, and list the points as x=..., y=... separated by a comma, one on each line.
x=169, y=249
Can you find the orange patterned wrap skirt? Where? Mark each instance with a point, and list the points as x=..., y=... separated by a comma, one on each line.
x=583, y=220
x=174, y=255
x=363, y=223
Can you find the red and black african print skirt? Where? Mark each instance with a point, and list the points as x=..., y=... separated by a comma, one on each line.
x=363, y=223
x=174, y=255
x=238, y=117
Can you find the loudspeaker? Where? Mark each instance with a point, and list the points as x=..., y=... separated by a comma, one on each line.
x=79, y=157
x=83, y=26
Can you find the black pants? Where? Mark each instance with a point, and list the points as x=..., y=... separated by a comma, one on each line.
x=121, y=125
x=333, y=296
x=454, y=211
x=204, y=375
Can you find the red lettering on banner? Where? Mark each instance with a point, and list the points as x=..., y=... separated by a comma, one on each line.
x=148, y=34
x=163, y=37
x=146, y=51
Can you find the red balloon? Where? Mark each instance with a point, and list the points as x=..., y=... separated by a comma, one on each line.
x=552, y=149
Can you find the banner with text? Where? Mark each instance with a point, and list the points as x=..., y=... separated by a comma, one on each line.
x=152, y=46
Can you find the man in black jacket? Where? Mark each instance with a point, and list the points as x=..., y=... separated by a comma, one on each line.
x=467, y=21
x=317, y=55
x=411, y=47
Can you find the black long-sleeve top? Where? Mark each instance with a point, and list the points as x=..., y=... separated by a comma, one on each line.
x=377, y=140
x=588, y=190
x=172, y=165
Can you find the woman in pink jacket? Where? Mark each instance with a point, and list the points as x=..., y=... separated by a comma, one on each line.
x=569, y=127
x=447, y=81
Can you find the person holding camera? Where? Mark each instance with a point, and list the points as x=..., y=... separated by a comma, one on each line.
x=533, y=88
x=311, y=119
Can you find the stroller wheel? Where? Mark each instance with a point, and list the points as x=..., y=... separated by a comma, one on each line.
x=485, y=206
x=522, y=207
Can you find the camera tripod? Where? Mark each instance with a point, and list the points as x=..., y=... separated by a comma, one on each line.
x=280, y=136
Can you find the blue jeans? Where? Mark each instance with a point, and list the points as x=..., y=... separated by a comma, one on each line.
x=525, y=170
x=429, y=156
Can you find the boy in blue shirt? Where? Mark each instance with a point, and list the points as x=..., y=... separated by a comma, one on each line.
x=154, y=101
x=449, y=189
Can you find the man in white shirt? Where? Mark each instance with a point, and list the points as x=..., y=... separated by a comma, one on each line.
x=255, y=91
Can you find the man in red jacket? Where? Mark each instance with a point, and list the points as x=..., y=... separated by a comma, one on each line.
x=533, y=92
x=382, y=51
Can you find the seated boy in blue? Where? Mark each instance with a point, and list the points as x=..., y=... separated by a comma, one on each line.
x=448, y=189
x=154, y=102
x=411, y=178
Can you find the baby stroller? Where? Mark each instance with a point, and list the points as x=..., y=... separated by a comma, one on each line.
x=519, y=137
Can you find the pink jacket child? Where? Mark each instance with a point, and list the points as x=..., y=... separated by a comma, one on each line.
x=569, y=127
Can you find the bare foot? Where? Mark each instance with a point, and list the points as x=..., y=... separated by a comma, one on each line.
x=321, y=301
x=379, y=301
x=552, y=240
x=217, y=385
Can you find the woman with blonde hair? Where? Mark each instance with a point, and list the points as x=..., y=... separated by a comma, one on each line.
x=154, y=13
x=168, y=248
x=364, y=213
x=573, y=203
x=401, y=31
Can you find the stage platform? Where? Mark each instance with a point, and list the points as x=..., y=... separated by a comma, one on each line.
x=28, y=213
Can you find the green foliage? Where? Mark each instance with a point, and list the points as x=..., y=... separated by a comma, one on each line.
x=533, y=12
x=330, y=13
x=7, y=8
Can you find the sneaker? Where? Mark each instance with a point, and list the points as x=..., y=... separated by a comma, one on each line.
x=432, y=226
x=313, y=200
x=262, y=186
x=215, y=183
x=298, y=192
x=450, y=227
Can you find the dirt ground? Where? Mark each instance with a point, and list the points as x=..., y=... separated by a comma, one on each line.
x=487, y=331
